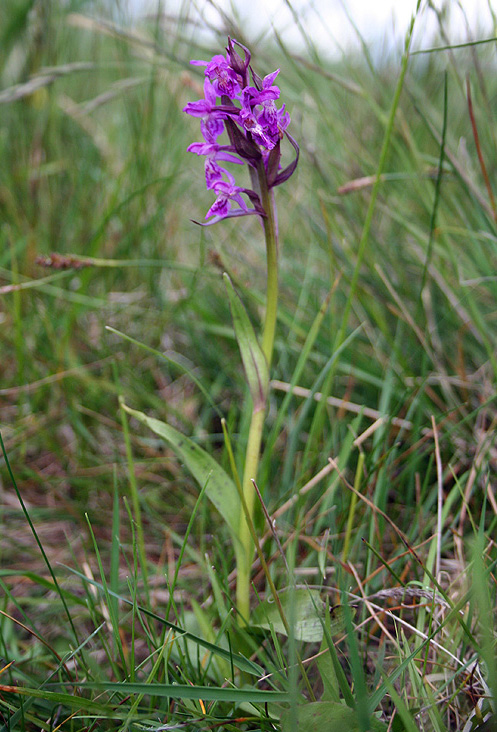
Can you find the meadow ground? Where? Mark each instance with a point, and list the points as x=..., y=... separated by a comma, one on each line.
x=378, y=471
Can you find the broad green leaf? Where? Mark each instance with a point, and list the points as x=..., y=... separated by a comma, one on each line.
x=304, y=605
x=326, y=716
x=253, y=359
x=179, y=691
x=220, y=488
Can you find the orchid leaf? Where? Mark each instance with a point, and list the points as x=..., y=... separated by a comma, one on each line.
x=253, y=359
x=326, y=716
x=220, y=488
x=304, y=605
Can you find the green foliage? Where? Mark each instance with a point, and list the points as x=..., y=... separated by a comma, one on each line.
x=327, y=715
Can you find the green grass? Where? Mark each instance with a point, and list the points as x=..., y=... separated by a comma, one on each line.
x=117, y=608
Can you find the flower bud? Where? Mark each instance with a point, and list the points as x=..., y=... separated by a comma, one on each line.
x=236, y=62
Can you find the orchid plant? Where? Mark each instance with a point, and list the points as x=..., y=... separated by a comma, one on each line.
x=243, y=105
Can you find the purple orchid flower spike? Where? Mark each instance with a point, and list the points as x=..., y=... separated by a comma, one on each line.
x=254, y=124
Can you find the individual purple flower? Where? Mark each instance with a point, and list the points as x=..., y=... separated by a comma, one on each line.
x=226, y=192
x=260, y=115
x=211, y=115
x=224, y=79
x=269, y=118
x=259, y=132
x=273, y=120
x=252, y=96
x=213, y=152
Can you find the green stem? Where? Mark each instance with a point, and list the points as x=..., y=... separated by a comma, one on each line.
x=271, y=234
x=252, y=454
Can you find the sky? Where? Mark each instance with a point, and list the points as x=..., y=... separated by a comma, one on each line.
x=330, y=23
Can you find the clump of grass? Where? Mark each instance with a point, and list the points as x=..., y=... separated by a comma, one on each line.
x=378, y=453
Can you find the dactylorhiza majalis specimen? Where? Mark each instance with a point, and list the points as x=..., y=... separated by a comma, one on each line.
x=243, y=105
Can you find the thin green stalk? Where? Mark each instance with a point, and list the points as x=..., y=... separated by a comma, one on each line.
x=134, y=497
x=353, y=502
x=271, y=235
x=250, y=471
x=252, y=454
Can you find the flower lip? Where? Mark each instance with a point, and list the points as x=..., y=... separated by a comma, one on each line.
x=226, y=192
